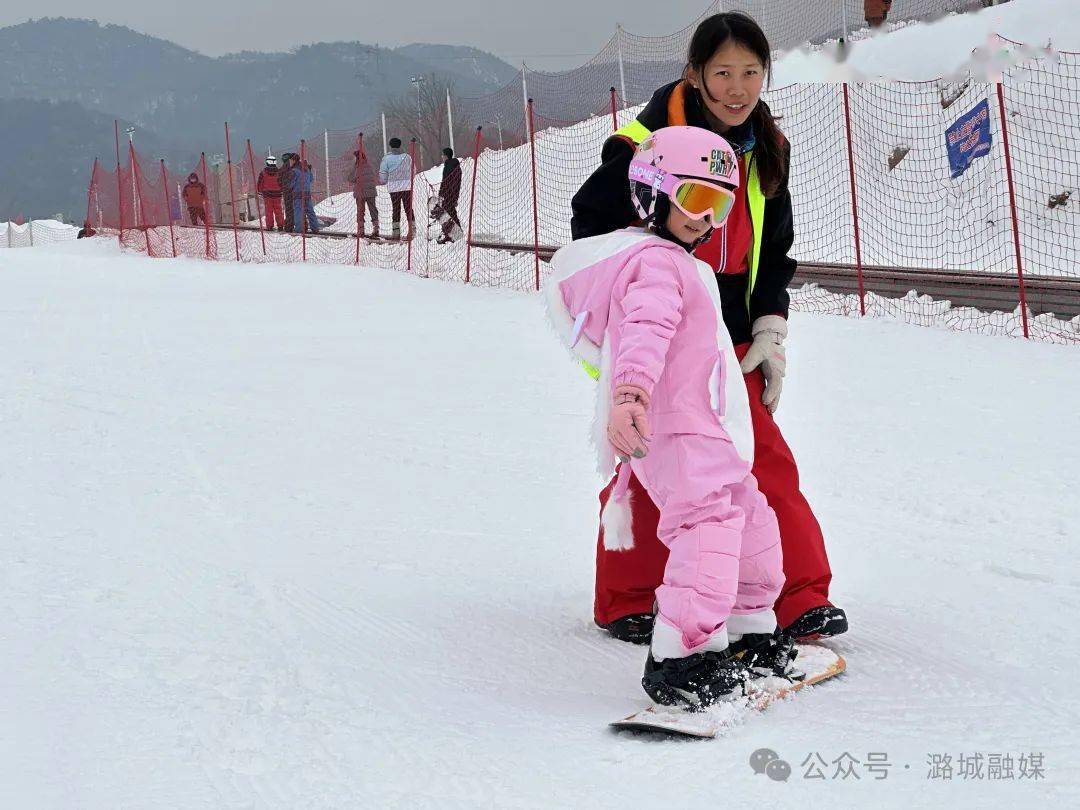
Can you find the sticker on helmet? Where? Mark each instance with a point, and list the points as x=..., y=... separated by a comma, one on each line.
x=721, y=163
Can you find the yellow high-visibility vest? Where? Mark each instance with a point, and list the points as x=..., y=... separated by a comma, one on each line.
x=637, y=132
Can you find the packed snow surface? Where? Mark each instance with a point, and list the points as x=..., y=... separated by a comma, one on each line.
x=322, y=537
x=929, y=50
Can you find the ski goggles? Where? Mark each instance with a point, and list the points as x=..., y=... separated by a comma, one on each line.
x=695, y=198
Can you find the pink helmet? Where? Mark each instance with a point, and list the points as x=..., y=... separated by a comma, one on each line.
x=674, y=154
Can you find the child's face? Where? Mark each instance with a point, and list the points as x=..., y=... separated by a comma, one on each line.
x=685, y=229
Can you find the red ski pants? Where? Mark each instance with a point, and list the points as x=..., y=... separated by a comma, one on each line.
x=626, y=581
x=274, y=216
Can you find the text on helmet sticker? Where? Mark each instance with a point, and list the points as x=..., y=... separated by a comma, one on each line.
x=721, y=163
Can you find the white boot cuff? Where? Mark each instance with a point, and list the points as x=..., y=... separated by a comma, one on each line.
x=667, y=642
x=763, y=621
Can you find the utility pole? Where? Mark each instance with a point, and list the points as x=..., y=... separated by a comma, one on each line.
x=449, y=119
x=622, y=69
x=134, y=189
x=326, y=157
x=498, y=124
x=417, y=81
x=524, y=91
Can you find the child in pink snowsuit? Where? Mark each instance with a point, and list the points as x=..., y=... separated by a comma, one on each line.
x=637, y=305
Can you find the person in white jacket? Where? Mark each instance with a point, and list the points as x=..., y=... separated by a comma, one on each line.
x=396, y=172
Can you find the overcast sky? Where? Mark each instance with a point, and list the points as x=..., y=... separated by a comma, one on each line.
x=547, y=34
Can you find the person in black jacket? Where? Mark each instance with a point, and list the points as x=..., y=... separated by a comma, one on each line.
x=728, y=63
x=285, y=180
x=449, y=193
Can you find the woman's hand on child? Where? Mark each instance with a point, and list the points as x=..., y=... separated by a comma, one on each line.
x=768, y=351
x=628, y=425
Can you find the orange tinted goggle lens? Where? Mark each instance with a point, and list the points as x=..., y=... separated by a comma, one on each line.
x=697, y=199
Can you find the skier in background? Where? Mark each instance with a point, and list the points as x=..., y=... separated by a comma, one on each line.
x=269, y=186
x=728, y=61
x=288, y=168
x=876, y=12
x=303, y=181
x=639, y=305
x=449, y=192
x=396, y=172
x=195, y=199
x=363, y=180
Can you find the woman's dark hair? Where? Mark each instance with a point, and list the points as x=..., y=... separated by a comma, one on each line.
x=714, y=33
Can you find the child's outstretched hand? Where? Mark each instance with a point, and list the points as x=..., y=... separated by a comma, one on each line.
x=628, y=426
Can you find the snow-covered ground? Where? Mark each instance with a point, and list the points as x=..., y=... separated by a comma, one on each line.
x=322, y=537
x=925, y=51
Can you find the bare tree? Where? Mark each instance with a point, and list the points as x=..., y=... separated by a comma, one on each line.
x=421, y=113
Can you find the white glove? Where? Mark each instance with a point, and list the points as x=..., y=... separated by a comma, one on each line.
x=768, y=352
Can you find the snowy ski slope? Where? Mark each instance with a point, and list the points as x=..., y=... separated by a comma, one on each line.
x=322, y=537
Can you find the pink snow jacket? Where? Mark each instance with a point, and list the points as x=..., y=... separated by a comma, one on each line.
x=646, y=312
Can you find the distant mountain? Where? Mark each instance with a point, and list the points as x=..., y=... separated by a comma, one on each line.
x=49, y=149
x=178, y=99
x=271, y=97
x=463, y=62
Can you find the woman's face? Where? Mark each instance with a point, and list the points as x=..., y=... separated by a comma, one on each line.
x=734, y=77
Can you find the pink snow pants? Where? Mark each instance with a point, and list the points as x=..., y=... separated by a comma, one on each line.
x=724, y=559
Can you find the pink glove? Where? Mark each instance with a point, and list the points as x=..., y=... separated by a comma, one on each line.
x=628, y=426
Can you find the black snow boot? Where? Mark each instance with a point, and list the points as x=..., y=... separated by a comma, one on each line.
x=694, y=682
x=820, y=622
x=635, y=628
x=768, y=655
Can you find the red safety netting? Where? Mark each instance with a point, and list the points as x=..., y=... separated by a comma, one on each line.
x=102, y=202
x=878, y=214
x=181, y=212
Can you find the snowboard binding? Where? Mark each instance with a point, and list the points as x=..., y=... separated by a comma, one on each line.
x=768, y=655
x=695, y=682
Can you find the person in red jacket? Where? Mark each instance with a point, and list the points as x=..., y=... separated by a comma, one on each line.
x=195, y=199
x=269, y=186
x=876, y=12
x=728, y=61
x=364, y=182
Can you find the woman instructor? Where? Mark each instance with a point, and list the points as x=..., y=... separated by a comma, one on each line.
x=728, y=62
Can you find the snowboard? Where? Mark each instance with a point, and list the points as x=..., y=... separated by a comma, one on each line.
x=818, y=662
x=439, y=219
